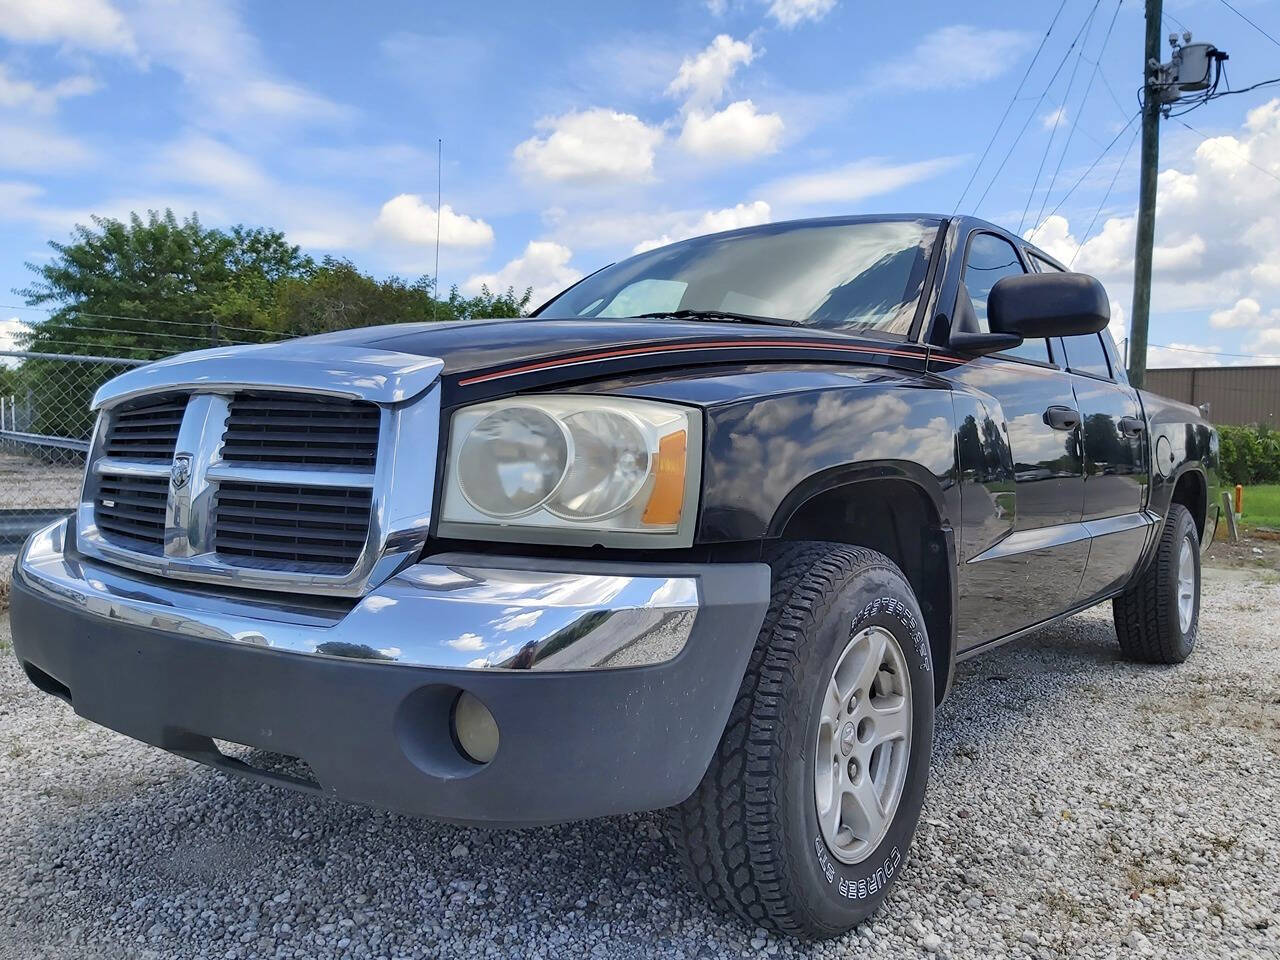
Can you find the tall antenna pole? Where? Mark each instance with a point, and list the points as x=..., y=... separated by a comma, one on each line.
x=1146, y=227
x=435, y=278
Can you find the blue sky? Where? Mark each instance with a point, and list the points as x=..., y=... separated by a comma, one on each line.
x=575, y=133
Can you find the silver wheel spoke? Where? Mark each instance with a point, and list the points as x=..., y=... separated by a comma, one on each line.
x=832, y=706
x=892, y=717
x=870, y=665
x=868, y=812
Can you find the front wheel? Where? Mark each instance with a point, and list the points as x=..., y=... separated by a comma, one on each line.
x=1158, y=618
x=804, y=818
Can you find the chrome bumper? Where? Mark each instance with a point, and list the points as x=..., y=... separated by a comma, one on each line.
x=450, y=611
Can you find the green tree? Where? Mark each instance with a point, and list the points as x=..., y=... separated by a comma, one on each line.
x=336, y=295
x=156, y=286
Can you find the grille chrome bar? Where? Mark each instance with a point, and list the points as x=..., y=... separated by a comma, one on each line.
x=291, y=476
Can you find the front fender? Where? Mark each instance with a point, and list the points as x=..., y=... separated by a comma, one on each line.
x=767, y=455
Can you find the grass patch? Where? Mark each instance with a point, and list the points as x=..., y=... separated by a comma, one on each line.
x=1262, y=505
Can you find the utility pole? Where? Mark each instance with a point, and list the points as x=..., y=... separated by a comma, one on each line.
x=1151, y=104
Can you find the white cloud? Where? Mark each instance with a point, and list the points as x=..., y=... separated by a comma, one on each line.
x=954, y=56
x=738, y=132
x=222, y=65
x=87, y=24
x=853, y=182
x=37, y=150
x=15, y=92
x=207, y=162
x=591, y=146
x=1245, y=312
x=702, y=79
x=791, y=13
x=467, y=641
x=717, y=8
x=408, y=219
x=544, y=267
x=1054, y=118
x=713, y=221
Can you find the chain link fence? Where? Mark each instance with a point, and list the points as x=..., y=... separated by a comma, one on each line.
x=45, y=425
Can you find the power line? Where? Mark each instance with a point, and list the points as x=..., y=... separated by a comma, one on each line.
x=1058, y=114
x=1079, y=111
x=1040, y=99
x=1106, y=196
x=1218, y=353
x=1206, y=138
x=1097, y=160
x=1116, y=99
x=1007, y=109
x=47, y=324
x=1250, y=22
x=112, y=316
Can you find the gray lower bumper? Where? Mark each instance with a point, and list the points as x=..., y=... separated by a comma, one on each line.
x=610, y=684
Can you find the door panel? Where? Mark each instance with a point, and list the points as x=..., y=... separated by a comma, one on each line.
x=1026, y=561
x=1115, y=466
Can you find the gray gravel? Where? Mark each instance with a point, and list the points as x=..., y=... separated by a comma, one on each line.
x=1079, y=807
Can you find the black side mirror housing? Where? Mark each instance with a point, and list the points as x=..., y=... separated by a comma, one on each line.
x=1035, y=305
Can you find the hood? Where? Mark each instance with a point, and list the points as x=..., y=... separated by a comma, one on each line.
x=490, y=356
x=392, y=363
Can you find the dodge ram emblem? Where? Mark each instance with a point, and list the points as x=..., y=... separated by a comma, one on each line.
x=181, y=471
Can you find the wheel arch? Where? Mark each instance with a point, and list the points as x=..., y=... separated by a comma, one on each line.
x=900, y=510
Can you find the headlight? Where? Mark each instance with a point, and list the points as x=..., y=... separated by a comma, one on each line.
x=582, y=469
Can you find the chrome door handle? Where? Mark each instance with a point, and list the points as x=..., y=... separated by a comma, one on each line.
x=1062, y=418
x=1132, y=426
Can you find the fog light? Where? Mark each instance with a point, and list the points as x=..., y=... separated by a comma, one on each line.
x=474, y=728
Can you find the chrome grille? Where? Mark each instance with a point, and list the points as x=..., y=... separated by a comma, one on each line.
x=146, y=429
x=306, y=431
x=322, y=529
x=279, y=475
x=130, y=510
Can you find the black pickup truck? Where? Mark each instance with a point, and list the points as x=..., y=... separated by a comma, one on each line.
x=709, y=531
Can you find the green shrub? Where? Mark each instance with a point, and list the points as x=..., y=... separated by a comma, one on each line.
x=1250, y=454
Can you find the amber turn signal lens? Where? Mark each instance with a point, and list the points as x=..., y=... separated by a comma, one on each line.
x=667, y=498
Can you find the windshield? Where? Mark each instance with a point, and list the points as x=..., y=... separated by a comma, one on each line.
x=863, y=275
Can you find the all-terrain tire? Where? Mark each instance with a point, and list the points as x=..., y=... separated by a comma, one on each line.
x=750, y=834
x=1150, y=623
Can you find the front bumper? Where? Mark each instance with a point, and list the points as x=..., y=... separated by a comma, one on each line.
x=610, y=683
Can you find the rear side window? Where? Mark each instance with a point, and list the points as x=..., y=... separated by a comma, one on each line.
x=1044, y=266
x=990, y=258
x=1085, y=354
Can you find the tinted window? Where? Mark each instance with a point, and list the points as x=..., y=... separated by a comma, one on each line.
x=1030, y=350
x=1086, y=355
x=1043, y=265
x=990, y=258
x=865, y=275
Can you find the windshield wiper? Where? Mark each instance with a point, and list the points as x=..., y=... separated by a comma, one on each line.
x=716, y=315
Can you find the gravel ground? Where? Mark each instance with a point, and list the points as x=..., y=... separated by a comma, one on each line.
x=30, y=483
x=1079, y=807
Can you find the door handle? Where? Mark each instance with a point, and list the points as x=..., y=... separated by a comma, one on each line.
x=1062, y=418
x=1132, y=426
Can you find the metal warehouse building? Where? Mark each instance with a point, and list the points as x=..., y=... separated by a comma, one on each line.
x=1237, y=395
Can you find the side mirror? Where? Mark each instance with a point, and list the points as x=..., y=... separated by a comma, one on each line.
x=1036, y=305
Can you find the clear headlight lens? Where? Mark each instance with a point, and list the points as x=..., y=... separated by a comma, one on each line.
x=512, y=461
x=610, y=464
x=596, y=465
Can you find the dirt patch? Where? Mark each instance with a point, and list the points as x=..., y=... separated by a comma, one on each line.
x=1250, y=552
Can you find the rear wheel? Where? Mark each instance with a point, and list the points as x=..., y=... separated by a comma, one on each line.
x=1158, y=618
x=805, y=815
